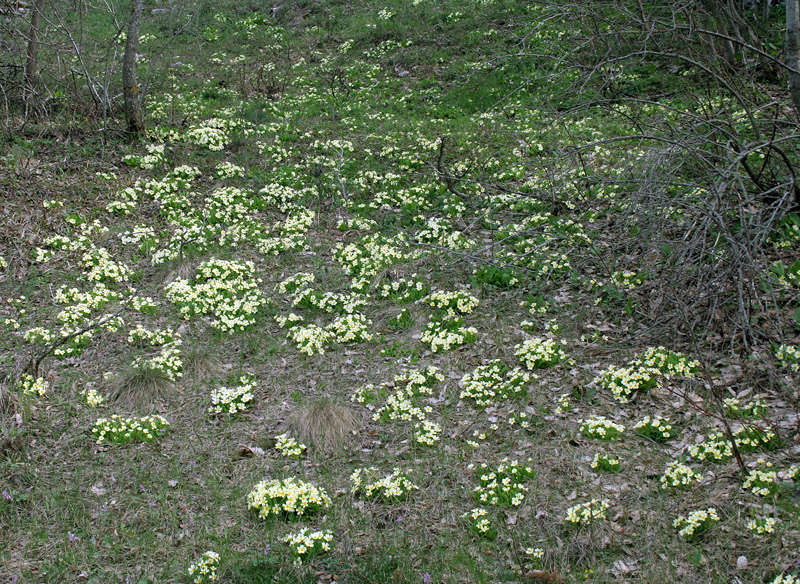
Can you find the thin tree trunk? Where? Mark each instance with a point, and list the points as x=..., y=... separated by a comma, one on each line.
x=130, y=87
x=793, y=50
x=32, y=63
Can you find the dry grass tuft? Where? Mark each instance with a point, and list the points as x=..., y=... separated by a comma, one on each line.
x=183, y=271
x=200, y=365
x=323, y=423
x=141, y=387
x=8, y=401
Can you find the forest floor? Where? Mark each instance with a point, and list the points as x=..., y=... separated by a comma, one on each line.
x=350, y=228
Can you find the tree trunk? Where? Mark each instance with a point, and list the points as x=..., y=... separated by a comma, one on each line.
x=32, y=63
x=793, y=50
x=130, y=88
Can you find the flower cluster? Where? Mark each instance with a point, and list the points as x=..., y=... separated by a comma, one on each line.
x=155, y=338
x=789, y=356
x=481, y=435
x=520, y=419
x=154, y=157
x=230, y=400
x=211, y=134
x=586, y=513
x=752, y=438
x=288, y=446
x=168, y=361
x=288, y=498
x=493, y=382
x=504, y=485
x=30, y=385
x=762, y=525
x=761, y=481
x=627, y=279
x=356, y=222
x=92, y=397
x=288, y=321
x=328, y=302
x=788, y=276
x=392, y=488
x=310, y=339
x=600, y=428
x=606, y=462
x=643, y=373
x=305, y=544
x=786, y=579
x=404, y=289
x=535, y=556
x=145, y=305
x=282, y=197
x=294, y=283
x=400, y=405
x=452, y=302
x=539, y=353
x=734, y=408
x=656, y=428
x=478, y=521
x=444, y=333
x=350, y=328
x=101, y=268
x=224, y=289
x=205, y=570
x=365, y=259
x=623, y=382
x=227, y=169
x=142, y=236
x=667, y=362
x=366, y=394
x=715, y=448
x=75, y=345
x=38, y=335
x=679, y=476
x=696, y=523
x=125, y=203
x=787, y=232
x=419, y=381
x=564, y=403
x=427, y=433
x=123, y=430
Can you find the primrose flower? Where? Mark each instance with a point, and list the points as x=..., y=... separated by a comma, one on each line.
x=393, y=487
x=304, y=544
x=601, y=428
x=586, y=513
x=290, y=498
x=538, y=353
x=696, y=523
x=762, y=525
x=288, y=446
x=478, y=520
x=205, y=570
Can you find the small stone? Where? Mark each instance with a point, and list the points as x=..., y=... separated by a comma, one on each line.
x=741, y=562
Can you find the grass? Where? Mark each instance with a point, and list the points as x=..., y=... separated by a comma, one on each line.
x=201, y=365
x=141, y=387
x=323, y=423
x=366, y=114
